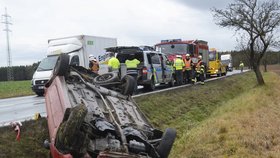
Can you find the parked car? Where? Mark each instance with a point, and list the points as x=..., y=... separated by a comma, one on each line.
x=86, y=119
x=154, y=67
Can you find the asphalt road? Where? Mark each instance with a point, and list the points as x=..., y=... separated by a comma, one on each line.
x=24, y=108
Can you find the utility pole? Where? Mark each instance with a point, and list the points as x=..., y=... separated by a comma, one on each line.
x=6, y=17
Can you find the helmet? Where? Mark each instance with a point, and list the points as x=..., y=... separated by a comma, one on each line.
x=178, y=56
x=187, y=55
x=199, y=57
x=91, y=57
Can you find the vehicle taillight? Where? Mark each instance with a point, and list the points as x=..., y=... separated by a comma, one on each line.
x=144, y=70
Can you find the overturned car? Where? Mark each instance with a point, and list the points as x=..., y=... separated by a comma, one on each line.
x=87, y=119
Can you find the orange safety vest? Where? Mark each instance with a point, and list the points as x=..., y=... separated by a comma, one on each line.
x=187, y=64
x=95, y=67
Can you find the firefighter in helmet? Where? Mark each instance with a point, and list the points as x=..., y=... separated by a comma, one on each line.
x=93, y=64
x=188, y=69
x=199, y=71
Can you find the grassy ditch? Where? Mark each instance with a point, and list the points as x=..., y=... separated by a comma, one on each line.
x=187, y=107
x=228, y=118
x=33, y=134
x=15, y=89
x=245, y=126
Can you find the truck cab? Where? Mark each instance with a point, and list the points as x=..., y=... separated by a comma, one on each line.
x=226, y=59
x=78, y=48
x=215, y=66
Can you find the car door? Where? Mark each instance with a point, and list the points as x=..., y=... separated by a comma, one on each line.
x=157, y=68
x=167, y=68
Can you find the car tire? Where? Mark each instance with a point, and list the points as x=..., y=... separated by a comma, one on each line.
x=151, y=86
x=40, y=94
x=128, y=85
x=61, y=68
x=172, y=82
x=62, y=65
x=106, y=78
x=166, y=142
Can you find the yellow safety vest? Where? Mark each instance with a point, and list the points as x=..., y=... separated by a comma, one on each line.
x=178, y=64
x=114, y=63
x=132, y=63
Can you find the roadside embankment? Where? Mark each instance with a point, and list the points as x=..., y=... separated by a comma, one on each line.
x=231, y=117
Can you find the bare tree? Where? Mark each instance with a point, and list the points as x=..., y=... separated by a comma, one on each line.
x=258, y=21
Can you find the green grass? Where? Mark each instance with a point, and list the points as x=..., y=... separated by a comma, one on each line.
x=33, y=134
x=187, y=107
x=245, y=126
x=15, y=89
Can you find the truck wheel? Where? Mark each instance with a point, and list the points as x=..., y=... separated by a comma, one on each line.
x=62, y=65
x=219, y=74
x=106, y=78
x=128, y=85
x=166, y=142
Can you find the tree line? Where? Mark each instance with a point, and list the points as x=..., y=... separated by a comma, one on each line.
x=26, y=72
x=19, y=72
x=270, y=58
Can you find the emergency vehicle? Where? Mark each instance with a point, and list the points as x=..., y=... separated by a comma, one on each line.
x=175, y=47
x=215, y=66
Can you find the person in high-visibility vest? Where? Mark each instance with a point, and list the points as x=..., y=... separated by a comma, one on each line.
x=199, y=70
x=188, y=69
x=179, y=66
x=114, y=63
x=131, y=65
x=93, y=64
x=241, y=66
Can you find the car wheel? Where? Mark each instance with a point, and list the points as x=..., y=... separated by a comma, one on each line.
x=62, y=65
x=152, y=85
x=166, y=142
x=40, y=93
x=128, y=85
x=172, y=82
x=106, y=78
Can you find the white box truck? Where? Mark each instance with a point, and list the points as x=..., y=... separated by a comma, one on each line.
x=78, y=48
x=227, y=60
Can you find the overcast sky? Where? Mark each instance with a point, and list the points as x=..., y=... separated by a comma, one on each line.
x=132, y=22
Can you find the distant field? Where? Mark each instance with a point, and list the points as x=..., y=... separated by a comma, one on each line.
x=15, y=89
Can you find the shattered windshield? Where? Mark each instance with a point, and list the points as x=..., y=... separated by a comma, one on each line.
x=47, y=63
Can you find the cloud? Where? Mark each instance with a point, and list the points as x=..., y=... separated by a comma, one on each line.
x=205, y=4
x=144, y=22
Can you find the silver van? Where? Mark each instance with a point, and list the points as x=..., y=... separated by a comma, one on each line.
x=154, y=67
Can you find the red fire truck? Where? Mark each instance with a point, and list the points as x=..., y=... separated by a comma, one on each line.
x=175, y=47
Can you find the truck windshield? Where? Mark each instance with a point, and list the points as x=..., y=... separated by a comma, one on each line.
x=212, y=56
x=47, y=63
x=173, y=48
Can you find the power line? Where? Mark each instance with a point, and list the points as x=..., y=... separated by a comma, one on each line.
x=6, y=21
